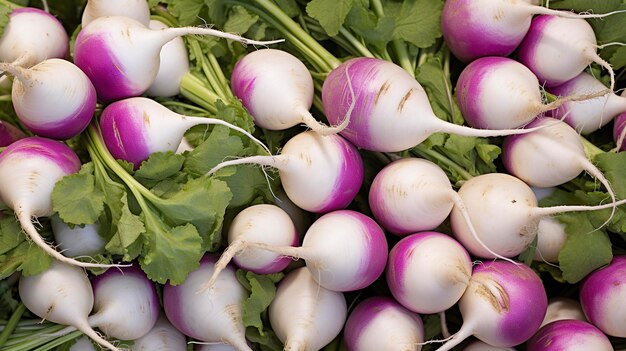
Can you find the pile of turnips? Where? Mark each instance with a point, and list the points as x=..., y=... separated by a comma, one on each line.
x=357, y=240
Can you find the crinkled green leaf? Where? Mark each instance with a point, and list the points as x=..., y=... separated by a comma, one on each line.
x=268, y=341
x=35, y=260
x=201, y=202
x=170, y=254
x=461, y=150
x=618, y=59
x=186, y=11
x=245, y=184
x=262, y=291
x=438, y=87
x=10, y=233
x=125, y=240
x=585, y=249
x=417, y=21
x=76, y=198
x=159, y=166
x=376, y=32
x=26, y=257
x=219, y=146
x=5, y=11
x=330, y=13
x=239, y=20
x=613, y=165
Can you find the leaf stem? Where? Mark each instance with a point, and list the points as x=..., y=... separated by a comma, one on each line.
x=12, y=324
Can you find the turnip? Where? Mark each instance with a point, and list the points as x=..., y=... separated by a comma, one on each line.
x=277, y=89
x=77, y=241
x=476, y=28
x=503, y=305
x=136, y=9
x=391, y=111
x=29, y=169
x=121, y=55
x=53, y=98
x=213, y=347
x=211, y=315
x=345, y=250
x=61, y=294
x=558, y=49
x=162, y=337
x=31, y=36
x=499, y=92
x=380, y=323
x=549, y=156
x=83, y=344
x=173, y=65
x=411, y=195
x=126, y=305
x=619, y=132
x=589, y=115
x=570, y=335
x=304, y=315
x=504, y=213
x=300, y=218
x=551, y=235
x=262, y=223
x=318, y=173
x=135, y=128
x=428, y=272
x=477, y=345
x=9, y=133
x=560, y=308
x=602, y=295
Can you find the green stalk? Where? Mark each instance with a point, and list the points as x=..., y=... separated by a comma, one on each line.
x=32, y=340
x=316, y=54
x=216, y=83
x=99, y=150
x=59, y=341
x=10, y=5
x=173, y=103
x=361, y=49
x=591, y=150
x=194, y=90
x=401, y=51
x=430, y=154
x=11, y=324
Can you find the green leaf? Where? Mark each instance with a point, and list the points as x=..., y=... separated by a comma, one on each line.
x=25, y=257
x=618, y=60
x=438, y=87
x=125, y=240
x=186, y=11
x=201, y=202
x=585, y=249
x=613, y=165
x=245, y=184
x=262, y=292
x=376, y=32
x=159, y=166
x=76, y=198
x=35, y=259
x=10, y=234
x=219, y=146
x=239, y=20
x=418, y=22
x=330, y=13
x=170, y=254
x=4, y=17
